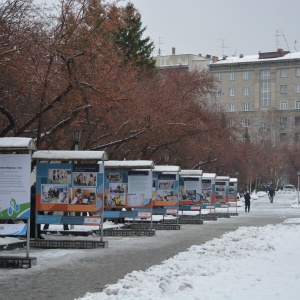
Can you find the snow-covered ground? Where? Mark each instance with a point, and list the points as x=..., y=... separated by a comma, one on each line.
x=250, y=263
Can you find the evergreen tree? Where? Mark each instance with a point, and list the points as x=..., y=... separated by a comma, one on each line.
x=130, y=40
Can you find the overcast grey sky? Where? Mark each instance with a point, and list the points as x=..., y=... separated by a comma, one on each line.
x=218, y=27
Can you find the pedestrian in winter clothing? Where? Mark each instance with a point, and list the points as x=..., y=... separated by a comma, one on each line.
x=247, y=198
x=271, y=194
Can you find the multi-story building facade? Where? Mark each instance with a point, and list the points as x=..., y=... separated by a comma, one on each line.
x=188, y=62
x=260, y=94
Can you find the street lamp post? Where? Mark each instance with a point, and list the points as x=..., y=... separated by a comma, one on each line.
x=298, y=174
x=76, y=140
x=166, y=158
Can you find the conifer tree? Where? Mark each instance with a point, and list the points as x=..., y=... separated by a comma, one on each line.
x=129, y=39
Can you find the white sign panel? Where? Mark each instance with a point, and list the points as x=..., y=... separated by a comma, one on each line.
x=15, y=185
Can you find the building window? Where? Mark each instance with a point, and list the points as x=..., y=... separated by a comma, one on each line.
x=231, y=76
x=231, y=123
x=283, y=105
x=283, y=121
x=218, y=107
x=246, y=75
x=283, y=89
x=297, y=121
x=265, y=93
x=297, y=104
x=245, y=91
x=246, y=106
x=245, y=122
x=218, y=76
x=297, y=88
x=264, y=74
x=283, y=72
x=231, y=107
x=297, y=138
x=264, y=126
x=283, y=137
x=298, y=72
x=218, y=93
x=231, y=92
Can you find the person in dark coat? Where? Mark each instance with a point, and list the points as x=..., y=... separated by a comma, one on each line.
x=32, y=214
x=247, y=198
x=271, y=194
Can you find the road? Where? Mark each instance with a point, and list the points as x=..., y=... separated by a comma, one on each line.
x=70, y=274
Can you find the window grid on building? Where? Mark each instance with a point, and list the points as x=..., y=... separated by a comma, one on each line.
x=231, y=107
x=297, y=90
x=245, y=91
x=246, y=106
x=246, y=75
x=283, y=104
x=218, y=93
x=264, y=126
x=283, y=121
x=231, y=92
x=265, y=93
x=265, y=74
x=297, y=104
x=245, y=122
x=283, y=73
x=218, y=76
x=298, y=72
x=283, y=89
x=231, y=76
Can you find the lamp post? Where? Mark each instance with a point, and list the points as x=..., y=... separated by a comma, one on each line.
x=76, y=138
x=166, y=158
x=298, y=174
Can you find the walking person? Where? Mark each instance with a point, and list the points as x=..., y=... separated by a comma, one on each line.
x=271, y=194
x=247, y=198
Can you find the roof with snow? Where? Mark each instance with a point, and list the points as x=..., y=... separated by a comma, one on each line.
x=59, y=155
x=191, y=173
x=129, y=164
x=268, y=56
x=17, y=143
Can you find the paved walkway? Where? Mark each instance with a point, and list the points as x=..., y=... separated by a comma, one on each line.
x=69, y=274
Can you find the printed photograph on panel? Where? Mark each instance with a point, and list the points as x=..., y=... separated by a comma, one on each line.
x=115, y=200
x=83, y=196
x=164, y=195
x=59, y=175
x=84, y=179
x=54, y=193
x=114, y=177
x=189, y=195
x=118, y=188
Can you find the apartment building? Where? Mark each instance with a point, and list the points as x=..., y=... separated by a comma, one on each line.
x=260, y=94
x=188, y=62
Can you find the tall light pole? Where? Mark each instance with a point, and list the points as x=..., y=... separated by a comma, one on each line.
x=76, y=140
x=298, y=174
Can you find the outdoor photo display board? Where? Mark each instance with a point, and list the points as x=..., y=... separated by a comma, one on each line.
x=69, y=187
x=165, y=189
x=207, y=190
x=190, y=190
x=128, y=189
x=221, y=191
x=232, y=193
x=15, y=186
